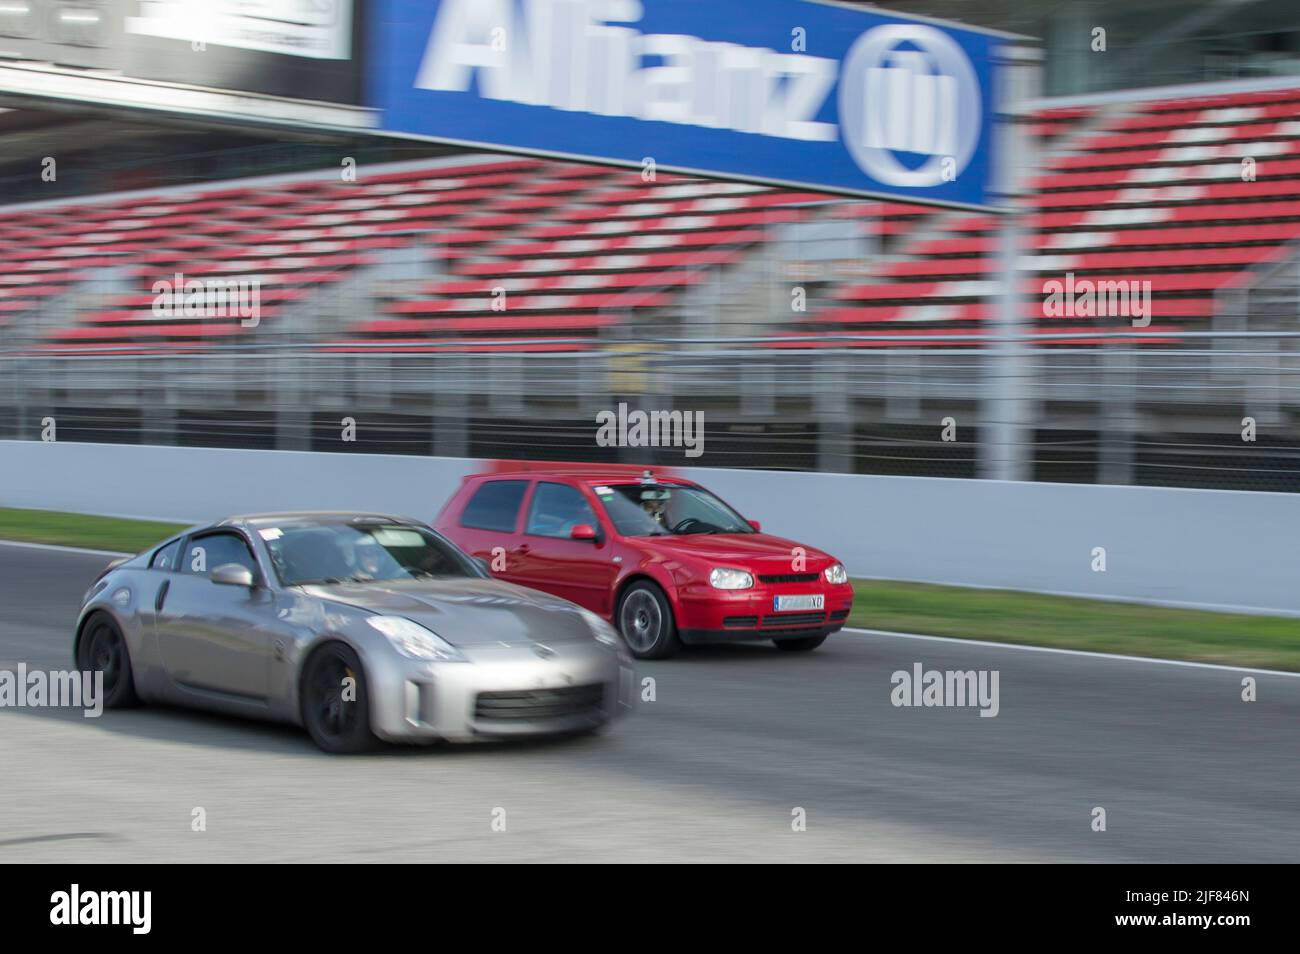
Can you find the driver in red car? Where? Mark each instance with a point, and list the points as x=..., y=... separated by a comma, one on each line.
x=655, y=503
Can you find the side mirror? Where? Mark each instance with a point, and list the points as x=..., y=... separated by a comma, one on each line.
x=232, y=574
x=756, y=525
x=583, y=531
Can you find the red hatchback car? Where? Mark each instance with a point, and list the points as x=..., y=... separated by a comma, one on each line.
x=662, y=558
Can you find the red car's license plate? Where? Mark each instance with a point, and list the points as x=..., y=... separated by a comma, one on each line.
x=814, y=601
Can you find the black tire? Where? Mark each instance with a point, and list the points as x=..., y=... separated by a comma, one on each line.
x=646, y=621
x=336, y=725
x=103, y=649
x=804, y=644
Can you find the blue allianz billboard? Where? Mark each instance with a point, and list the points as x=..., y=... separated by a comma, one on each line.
x=796, y=92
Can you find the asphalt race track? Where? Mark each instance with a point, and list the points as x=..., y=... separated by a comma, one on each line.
x=737, y=738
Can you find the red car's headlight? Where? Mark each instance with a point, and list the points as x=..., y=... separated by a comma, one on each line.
x=727, y=579
x=835, y=573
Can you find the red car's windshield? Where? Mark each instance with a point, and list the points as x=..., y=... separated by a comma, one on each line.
x=648, y=510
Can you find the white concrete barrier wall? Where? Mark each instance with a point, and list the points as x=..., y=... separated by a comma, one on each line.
x=197, y=484
x=1209, y=548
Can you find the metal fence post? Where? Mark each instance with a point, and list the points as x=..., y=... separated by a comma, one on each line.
x=1006, y=438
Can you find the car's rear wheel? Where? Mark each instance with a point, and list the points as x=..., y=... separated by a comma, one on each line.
x=103, y=650
x=646, y=621
x=804, y=644
x=335, y=701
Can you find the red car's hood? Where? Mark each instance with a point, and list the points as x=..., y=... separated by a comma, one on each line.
x=741, y=550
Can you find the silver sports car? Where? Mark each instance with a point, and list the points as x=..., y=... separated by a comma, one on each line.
x=354, y=626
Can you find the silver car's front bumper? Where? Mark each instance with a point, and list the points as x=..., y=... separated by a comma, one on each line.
x=499, y=692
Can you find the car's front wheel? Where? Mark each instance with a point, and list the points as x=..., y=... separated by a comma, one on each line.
x=646, y=621
x=103, y=650
x=804, y=644
x=335, y=702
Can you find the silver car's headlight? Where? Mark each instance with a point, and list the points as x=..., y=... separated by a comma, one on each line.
x=414, y=641
x=601, y=631
x=725, y=579
x=835, y=573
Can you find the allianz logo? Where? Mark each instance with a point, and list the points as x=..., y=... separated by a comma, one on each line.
x=904, y=89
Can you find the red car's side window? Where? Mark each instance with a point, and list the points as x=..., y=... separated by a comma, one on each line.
x=556, y=509
x=495, y=506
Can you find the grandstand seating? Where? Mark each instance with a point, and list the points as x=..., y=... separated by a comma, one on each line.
x=616, y=248
x=295, y=236
x=1146, y=191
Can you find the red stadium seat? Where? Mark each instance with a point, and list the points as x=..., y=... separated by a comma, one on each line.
x=1145, y=191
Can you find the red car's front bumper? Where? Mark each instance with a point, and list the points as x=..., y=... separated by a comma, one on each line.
x=705, y=614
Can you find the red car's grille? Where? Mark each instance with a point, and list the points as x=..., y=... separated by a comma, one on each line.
x=792, y=620
x=788, y=577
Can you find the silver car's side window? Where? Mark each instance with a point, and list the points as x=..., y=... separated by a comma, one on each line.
x=167, y=557
x=204, y=554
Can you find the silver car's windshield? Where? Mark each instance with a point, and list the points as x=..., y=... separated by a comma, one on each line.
x=362, y=552
x=650, y=510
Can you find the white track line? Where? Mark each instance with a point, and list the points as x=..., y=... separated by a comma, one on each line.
x=854, y=629
x=62, y=549
x=1073, y=652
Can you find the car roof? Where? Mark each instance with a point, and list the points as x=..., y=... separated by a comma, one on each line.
x=311, y=516
x=587, y=476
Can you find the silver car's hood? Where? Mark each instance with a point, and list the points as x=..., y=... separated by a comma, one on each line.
x=465, y=611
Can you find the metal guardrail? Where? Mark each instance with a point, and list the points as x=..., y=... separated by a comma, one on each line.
x=1194, y=415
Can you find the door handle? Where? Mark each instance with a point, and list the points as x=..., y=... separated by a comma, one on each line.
x=521, y=549
x=162, y=595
